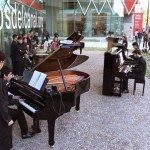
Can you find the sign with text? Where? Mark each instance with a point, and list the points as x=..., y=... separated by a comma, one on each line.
x=138, y=21
x=12, y=18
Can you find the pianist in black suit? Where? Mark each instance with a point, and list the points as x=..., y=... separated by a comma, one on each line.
x=16, y=114
x=136, y=47
x=5, y=118
x=137, y=72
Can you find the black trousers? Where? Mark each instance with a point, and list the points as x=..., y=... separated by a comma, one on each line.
x=18, y=115
x=5, y=135
x=125, y=80
x=14, y=69
x=18, y=67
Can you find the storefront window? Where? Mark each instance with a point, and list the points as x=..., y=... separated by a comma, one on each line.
x=18, y=16
x=90, y=17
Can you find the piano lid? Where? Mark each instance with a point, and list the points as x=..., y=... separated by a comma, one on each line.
x=66, y=57
x=75, y=37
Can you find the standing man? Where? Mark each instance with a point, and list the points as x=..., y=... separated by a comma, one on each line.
x=18, y=57
x=5, y=119
x=139, y=37
x=136, y=36
x=13, y=49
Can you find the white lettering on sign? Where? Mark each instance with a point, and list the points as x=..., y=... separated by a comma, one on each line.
x=2, y=19
x=17, y=19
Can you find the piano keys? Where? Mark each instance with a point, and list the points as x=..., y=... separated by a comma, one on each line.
x=61, y=92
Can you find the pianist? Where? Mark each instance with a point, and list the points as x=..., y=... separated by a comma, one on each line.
x=136, y=47
x=16, y=114
x=137, y=72
x=5, y=119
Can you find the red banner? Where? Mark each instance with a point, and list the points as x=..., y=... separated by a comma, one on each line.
x=138, y=22
x=32, y=4
x=130, y=5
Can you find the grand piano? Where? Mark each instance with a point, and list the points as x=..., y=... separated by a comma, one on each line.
x=60, y=92
x=74, y=42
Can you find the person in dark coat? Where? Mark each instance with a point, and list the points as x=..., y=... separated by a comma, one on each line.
x=125, y=43
x=5, y=119
x=16, y=114
x=13, y=49
x=137, y=72
x=19, y=58
x=35, y=38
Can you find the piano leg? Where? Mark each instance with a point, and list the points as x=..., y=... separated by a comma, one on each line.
x=80, y=50
x=77, y=107
x=36, y=126
x=51, y=129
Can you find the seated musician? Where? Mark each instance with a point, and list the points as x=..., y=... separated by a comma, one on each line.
x=55, y=44
x=137, y=72
x=16, y=114
x=136, y=47
x=132, y=58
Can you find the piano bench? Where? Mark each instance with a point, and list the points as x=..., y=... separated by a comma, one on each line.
x=142, y=81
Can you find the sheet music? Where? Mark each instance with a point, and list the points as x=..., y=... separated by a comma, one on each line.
x=66, y=42
x=40, y=81
x=37, y=79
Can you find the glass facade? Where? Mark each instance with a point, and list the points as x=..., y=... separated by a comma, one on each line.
x=93, y=18
x=18, y=16
x=90, y=17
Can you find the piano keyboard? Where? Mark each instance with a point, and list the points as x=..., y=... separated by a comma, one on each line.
x=25, y=105
x=125, y=69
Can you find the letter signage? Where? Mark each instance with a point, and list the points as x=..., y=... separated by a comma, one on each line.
x=16, y=19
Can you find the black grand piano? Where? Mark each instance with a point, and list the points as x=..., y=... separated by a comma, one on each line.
x=76, y=38
x=60, y=92
x=74, y=44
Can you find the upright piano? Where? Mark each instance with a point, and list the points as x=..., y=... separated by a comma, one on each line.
x=115, y=68
x=62, y=91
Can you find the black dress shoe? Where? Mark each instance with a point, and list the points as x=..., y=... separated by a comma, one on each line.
x=28, y=135
x=125, y=91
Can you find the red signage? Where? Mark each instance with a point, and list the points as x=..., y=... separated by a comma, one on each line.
x=32, y=4
x=138, y=21
x=129, y=5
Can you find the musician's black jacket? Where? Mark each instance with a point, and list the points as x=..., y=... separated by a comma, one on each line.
x=5, y=130
x=13, y=49
x=140, y=68
x=4, y=100
x=19, y=54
